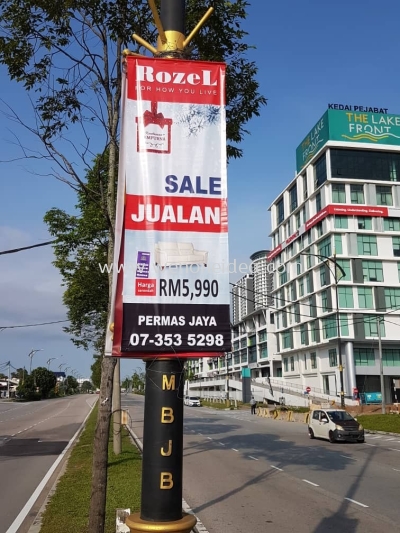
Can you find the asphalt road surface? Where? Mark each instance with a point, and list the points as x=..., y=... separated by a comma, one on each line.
x=243, y=473
x=32, y=436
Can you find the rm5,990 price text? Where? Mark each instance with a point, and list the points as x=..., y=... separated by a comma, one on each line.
x=183, y=288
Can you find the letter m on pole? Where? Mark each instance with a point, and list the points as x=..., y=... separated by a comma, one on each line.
x=168, y=384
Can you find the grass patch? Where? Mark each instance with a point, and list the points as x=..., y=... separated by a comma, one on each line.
x=68, y=509
x=215, y=405
x=389, y=423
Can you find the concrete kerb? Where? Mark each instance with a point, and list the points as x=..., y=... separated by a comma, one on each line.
x=199, y=527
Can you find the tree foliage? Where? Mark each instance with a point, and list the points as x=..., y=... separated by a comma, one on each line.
x=19, y=373
x=71, y=385
x=45, y=380
x=86, y=386
x=96, y=372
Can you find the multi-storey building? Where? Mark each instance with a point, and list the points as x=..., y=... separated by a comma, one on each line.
x=336, y=251
x=242, y=298
x=253, y=341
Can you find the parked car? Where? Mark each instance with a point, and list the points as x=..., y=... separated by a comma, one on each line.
x=334, y=425
x=193, y=401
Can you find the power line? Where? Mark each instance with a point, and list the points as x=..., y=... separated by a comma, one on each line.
x=34, y=325
x=15, y=250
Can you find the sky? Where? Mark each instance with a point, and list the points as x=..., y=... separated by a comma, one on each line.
x=308, y=54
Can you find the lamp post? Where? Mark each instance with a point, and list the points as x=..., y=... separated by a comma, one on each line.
x=31, y=354
x=49, y=361
x=334, y=273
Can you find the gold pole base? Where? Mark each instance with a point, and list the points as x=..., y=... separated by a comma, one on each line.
x=184, y=525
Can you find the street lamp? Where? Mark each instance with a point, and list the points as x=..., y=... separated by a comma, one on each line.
x=31, y=354
x=334, y=273
x=49, y=361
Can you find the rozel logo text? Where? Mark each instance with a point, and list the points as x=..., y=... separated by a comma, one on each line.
x=148, y=74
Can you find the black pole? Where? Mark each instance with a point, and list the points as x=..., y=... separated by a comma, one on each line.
x=163, y=441
x=173, y=15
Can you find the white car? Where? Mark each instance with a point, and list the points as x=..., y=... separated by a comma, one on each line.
x=193, y=401
x=334, y=425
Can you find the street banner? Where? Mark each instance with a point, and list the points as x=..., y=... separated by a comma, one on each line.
x=171, y=275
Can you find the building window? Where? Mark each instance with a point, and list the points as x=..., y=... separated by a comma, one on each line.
x=292, y=364
x=305, y=361
x=293, y=198
x=283, y=277
x=357, y=194
x=364, y=223
x=309, y=260
x=319, y=229
x=305, y=189
x=372, y=270
x=298, y=220
x=346, y=297
x=332, y=358
x=364, y=357
x=264, y=352
x=285, y=364
x=308, y=283
x=286, y=340
x=365, y=298
x=344, y=325
x=392, y=298
x=313, y=360
x=301, y=287
x=338, y=193
x=312, y=307
x=367, y=245
x=318, y=202
x=303, y=334
x=367, y=165
x=338, y=244
x=384, y=195
x=391, y=224
x=329, y=328
x=341, y=222
x=322, y=276
x=391, y=357
x=320, y=171
x=396, y=246
x=325, y=247
x=280, y=212
x=324, y=301
x=345, y=264
x=313, y=331
x=371, y=326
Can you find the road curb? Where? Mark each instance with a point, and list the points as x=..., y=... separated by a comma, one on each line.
x=37, y=523
x=199, y=527
x=373, y=432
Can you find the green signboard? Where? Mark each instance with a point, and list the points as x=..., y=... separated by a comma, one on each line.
x=348, y=126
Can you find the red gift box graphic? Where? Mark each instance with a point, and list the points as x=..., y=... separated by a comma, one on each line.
x=154, y=132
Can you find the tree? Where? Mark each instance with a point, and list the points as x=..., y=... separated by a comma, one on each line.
x=45, y=380
x=138, y=381
x=67, y=55
x=27, y=389
x=96, y=372
x=86, y=386
x=71, y=385
x=20, y=373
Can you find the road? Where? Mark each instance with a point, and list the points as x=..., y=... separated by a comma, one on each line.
x=246, y=473
x=32, y=436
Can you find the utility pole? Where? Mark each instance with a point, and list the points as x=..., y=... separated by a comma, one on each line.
x=9, y=377
x=379, y=318
x=116, y=407
x=227, y=380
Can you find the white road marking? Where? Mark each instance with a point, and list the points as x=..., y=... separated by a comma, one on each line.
x=310, y=483
x=222, y=444
x=396, y=470
x=366, y=444
x=251, y=457
x=209, y=438
x=379, y=437
x=394, y=449
x=391, y=439
x=356, y=502
x=348, y=457
x=235, y=450
x=276, y=468
x=30, y=503
x=201, y=434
